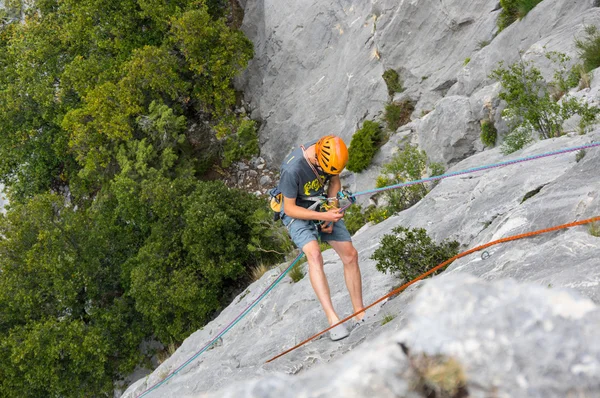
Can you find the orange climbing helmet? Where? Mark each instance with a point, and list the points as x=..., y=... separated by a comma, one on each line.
x=332, y=154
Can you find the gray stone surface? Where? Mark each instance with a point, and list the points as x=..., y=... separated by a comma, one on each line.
x=509, y=340
x=551, y=26
x=473, y=209
x=450, y=132
x=316, y=70
x=318, y=65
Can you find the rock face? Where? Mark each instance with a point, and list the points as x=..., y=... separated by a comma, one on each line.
x=520, y=319
x=318, y=66
x=546, y=357
x=521, y=356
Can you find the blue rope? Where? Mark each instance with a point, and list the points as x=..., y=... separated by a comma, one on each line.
x=224, y=331
x=475, y=169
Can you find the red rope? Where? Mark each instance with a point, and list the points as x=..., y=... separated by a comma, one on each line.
x=442, y=265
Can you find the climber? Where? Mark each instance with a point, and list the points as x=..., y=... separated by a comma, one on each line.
x=304, y=174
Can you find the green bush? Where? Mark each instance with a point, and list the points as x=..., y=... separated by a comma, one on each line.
x=242, y=145
x=354, y=218
x=517, y=139
x=513, y=10
x=407, y=165
x=530, y=105
x=411, y=252
x=589, y=48
x=376, y=215
x=363, y=146
x=397, y=114
x=488, y=133
x=392, y=80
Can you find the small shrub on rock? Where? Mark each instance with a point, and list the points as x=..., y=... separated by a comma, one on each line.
x=406, y=165
x=411, y=252
x=589, y=48
x=296, y=273
x=513, y=10
x=354, y=218
x=435, y=169
x=398, y=114
x=376, y=215
x=488, y=133
x=392, y=81
x=243, y=144
x=363, y=146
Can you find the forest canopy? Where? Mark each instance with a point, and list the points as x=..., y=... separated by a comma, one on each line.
x=111, y=113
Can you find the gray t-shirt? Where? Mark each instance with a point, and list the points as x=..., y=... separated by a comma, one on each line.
x=298, y=180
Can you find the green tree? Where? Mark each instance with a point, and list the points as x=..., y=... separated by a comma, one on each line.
x=102, y=246
x=66, y=320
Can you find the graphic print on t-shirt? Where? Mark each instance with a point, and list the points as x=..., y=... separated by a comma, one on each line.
x=314, y=186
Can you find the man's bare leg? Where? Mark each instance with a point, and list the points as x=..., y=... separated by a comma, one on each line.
x=349, y=257
x=318, y=280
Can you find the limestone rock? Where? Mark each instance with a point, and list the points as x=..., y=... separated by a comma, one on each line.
x=450, y=133
x=504, y=342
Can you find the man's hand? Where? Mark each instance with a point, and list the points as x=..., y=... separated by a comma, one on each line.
x=330, y=217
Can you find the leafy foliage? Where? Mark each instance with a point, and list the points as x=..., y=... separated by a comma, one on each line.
x=73, y=86
x=392, y=81
x=488, y=133
x=363, y=146
x=513, y=10
x=589, y=48
x=411, y=252
x=531, y=107
x=407, y=165
x=397, y=114
x=354, y=218
x=111, y=237
x=244, y=144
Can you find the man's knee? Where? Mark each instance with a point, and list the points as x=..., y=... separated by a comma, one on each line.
x=313, y=253
x=349, y=255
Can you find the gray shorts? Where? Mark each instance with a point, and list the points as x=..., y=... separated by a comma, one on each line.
x=304, y=231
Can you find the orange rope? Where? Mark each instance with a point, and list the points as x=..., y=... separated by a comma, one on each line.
x=445, y=263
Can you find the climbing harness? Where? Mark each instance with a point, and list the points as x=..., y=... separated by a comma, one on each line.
x=436, y=268
x=352, y=199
